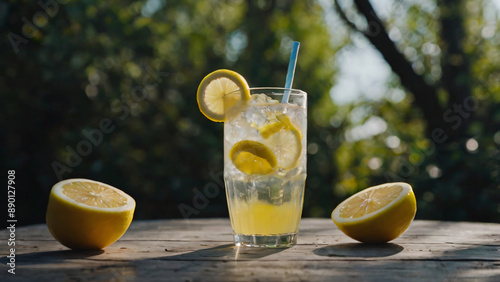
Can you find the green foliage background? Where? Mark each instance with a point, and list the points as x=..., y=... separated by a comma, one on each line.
x=137, y=66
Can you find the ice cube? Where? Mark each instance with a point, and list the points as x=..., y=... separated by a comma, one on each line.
x=256, y=116
x=262, y=100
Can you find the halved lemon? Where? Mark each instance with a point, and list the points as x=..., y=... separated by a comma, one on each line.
x=219, y=91
x=284, y=140
x=87, y=214
x=252, y=157
x=377, y=214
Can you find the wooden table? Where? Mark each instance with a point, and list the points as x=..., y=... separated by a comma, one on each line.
x=200, y=250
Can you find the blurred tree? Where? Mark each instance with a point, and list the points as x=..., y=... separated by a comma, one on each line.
x=106, y=90
x=458, y=180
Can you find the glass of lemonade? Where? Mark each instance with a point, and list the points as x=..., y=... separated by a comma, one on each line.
x=265, y=167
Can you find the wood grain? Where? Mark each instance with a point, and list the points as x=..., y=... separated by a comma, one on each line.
x=202, y=250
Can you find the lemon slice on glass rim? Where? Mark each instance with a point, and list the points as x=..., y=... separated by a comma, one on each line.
x=377, y=214
x=218, y=91
x=87, y=214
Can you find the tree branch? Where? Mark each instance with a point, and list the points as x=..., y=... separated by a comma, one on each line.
x=343, y=16
x=425, y=95
x=455, y=64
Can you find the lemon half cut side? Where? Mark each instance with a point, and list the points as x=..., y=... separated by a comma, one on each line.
x=219, y=91
x=87, y=214
x=377, y=214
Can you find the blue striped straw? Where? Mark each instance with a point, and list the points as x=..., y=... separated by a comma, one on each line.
x=291, y=71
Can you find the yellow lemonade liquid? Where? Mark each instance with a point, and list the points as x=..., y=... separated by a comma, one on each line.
x=265, y=206
x=261, y=218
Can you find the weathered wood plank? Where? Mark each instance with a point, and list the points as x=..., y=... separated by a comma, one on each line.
x=312, y=231
x=161, y=270
x=202, y=250
x=125, y=250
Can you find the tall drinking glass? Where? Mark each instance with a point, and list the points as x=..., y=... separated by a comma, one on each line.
x=265, y=167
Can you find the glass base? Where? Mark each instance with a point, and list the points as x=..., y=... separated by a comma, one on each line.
x=266, y=241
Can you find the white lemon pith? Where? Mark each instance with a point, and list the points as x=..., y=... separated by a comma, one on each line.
x=219, y=91
x=377, y=214
x=86, y=214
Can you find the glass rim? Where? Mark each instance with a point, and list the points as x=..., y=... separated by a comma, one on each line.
x=280, y=89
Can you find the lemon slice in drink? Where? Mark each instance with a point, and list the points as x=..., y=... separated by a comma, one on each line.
x=218, y=92
x=286, y=146
x=377, y=214
x=252, y=157
x=284, y=140
x=86, y=214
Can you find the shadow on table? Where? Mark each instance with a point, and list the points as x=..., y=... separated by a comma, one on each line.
x=359, y=250
x=56, y=266
x=476, y=262
x=226, y=252
x=51, y=256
